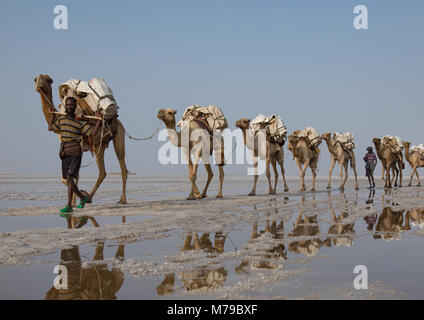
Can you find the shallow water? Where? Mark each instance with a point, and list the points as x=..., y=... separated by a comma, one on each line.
x=285, y=246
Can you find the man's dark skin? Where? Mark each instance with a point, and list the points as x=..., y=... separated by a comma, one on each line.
x=371, y=177
x=70, y=107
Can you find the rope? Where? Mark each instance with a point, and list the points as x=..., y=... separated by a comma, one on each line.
x=100, y=146
x=143, y=139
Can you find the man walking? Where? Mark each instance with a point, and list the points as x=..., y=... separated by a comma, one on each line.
x=371, y=161
x=71, y=133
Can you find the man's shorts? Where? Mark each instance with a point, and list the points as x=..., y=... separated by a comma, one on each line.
x=369, y=169
x=71, y=166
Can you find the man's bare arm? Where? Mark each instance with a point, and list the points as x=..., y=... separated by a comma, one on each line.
x=52, y=119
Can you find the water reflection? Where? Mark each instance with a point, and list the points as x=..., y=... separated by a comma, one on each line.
x=95, y=282
x=417, y=217
x=305, y=226
x=208, y=275
x=389, y=224
x=342, y=230
x=264, y=252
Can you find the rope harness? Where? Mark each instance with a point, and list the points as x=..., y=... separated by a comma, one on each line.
x=102, y=131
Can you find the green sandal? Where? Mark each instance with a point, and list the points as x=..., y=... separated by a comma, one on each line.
x=83, y=202
x=66, y=210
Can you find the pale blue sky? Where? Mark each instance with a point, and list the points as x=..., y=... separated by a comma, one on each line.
x=300, y=59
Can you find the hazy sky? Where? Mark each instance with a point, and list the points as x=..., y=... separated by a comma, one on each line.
x=300, y=59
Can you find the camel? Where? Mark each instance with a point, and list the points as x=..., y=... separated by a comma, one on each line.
x=304, y=155
x=340, y=155
x=389, y=160
x=195, y=149
x=95, y=282
x=274, y=152
x=415, y=162
x=43, y=85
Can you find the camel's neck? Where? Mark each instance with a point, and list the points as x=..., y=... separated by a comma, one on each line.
x=377, y=149
x=173, y=134
x=407, y=154
x=248, y=139
x=330, y=146
x=46, y=104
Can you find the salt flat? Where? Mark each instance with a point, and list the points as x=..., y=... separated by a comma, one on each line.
x=285, y=246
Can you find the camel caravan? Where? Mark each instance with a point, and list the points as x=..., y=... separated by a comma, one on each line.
x=200, y=136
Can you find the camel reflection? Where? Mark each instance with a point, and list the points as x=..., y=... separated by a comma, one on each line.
x=341, y=232
x=264, y=251
x=95, y=282
x=417, y=217
x=389, y=224
x=305, y=226
x=210, y=276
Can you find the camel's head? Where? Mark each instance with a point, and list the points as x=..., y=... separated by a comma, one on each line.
x=292, y=140
x=406, y=144
x=326, y=136
x=167, y=115
x=243, y=123
x=376, y=141
x=43, y=82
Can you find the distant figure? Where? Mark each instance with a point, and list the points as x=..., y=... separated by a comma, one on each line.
x=71, y=132
x=371, y=161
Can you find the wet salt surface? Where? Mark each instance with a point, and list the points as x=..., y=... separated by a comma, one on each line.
x=231, y=248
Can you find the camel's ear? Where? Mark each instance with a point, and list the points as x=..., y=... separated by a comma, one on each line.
x=49, y=80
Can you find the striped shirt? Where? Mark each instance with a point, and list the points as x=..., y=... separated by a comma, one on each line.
x=370, y=157
x=71, y=129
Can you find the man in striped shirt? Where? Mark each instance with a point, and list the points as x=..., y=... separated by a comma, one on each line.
x=71, y=133
x=371, y=161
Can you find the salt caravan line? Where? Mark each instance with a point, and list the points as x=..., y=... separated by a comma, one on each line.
x=96, y=96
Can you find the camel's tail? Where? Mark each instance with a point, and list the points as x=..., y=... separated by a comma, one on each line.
x=352, y=160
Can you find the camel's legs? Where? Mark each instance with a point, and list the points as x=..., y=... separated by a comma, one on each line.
x=345, y=165
x=353, y=165
x=255, y=177
x=274, y=166
x=281, y=163
x=102, y=171
x=210, y=176
x=119, y=146
x=268, y=174
x=341, y=173
x=221, y=180
x=414, y=170
x=333, y=162
x=418, y=177
x=302, y=173
x=400, y=173
x=396, y=171
x=194, y=194
x=314, y=172
x=388, y=183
